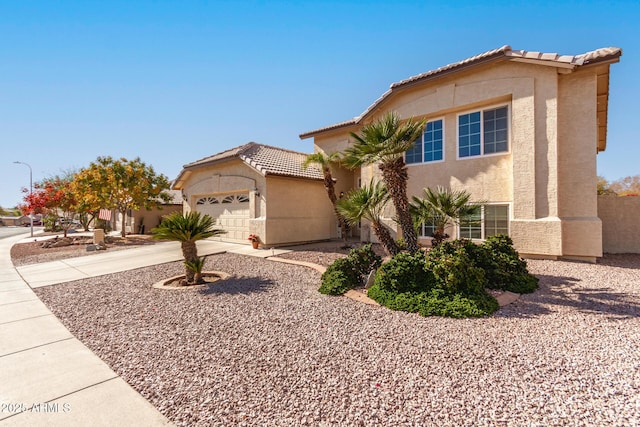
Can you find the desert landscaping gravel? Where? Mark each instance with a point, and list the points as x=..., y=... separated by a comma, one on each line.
x=264, y=348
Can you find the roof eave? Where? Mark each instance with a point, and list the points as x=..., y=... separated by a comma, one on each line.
x=284, y=175
x=330, y=128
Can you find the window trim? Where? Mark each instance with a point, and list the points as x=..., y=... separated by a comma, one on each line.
x=482, y=110
x=444, y=144
x=483, y=235
x=421, y=233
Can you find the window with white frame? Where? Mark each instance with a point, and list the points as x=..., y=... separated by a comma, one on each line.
x=483, y=132
x=426, y=229
x=489, y=221
x=429, y=147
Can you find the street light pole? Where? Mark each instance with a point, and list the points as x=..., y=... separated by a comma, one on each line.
x=30, y=192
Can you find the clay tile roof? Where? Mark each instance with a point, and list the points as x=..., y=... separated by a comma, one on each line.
x=265, y=159
x=456, y=65
x=504, y=52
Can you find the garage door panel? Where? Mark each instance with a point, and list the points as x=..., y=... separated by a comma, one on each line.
x=230, y=212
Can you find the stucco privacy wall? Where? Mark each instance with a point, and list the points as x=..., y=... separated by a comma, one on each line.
x=298, y=211
x=151, y=218
x=620, y=223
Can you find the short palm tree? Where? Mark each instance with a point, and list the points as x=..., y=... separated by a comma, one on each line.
x=368, y=202
x=440, y=207
x=384, y=142
x=187, y=229
x=325, y=162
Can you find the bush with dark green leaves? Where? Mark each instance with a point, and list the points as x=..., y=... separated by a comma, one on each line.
x=452, y=278
x=448, y=286
x=405, y=272
x=364, y=260
x=350, y=272
x=436, y=302
x=510, y=272
x=503, y=267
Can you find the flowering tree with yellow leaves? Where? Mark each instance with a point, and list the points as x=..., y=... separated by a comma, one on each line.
x=122, y=185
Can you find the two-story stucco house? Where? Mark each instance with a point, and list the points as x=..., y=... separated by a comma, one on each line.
x=518, y=130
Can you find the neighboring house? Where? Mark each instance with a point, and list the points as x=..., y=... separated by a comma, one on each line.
x=258, y=189
x=23, y=220
x=14, y=220
x=142, y=221
x=518, y=130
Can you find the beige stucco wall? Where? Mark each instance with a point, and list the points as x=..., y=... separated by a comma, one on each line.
x=620, y=223
x=578, y=140
x=229, y=177
x=151, y=218
x=553, y=134
x=298, y=210
x=282, y=210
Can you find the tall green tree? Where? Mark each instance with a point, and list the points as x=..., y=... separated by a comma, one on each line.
x=440, y=207
x=325, y=162
x=122, y=185
x=368, y=202
x=187, y=229
x=384, y=143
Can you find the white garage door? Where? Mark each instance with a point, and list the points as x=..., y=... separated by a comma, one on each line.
x=231, y=213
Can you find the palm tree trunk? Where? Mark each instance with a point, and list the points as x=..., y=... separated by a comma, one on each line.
x=386, y=240
x=331, y=192
x=395, y=176
x=190, y=253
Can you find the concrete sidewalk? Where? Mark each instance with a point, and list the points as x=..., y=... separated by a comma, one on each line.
x=48, y=377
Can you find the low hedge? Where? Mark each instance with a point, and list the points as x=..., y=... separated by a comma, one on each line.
x=451, y=279
x=349, y=273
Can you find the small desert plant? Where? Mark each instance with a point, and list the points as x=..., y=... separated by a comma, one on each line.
x=187, y=228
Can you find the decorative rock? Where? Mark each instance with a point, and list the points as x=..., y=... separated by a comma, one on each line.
x=92, y=247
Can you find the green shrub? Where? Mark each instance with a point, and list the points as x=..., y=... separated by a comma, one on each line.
x=441, y=303
x=503, y=267
x=435, y=302
x=405, y=272
x=348, y=273
x=509, y=271
x=336, y=281
x=364, y=260
x=457, y=273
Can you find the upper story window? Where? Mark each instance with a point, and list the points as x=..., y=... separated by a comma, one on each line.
x=428, y=148
x=483, y=132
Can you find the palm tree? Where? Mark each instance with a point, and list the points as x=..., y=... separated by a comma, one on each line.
x=384, y=142
x=441, y=206
x=187, y=229
x=368, y=202
x=324, y=162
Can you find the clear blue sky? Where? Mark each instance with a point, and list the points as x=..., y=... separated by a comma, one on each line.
x=175, y=81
